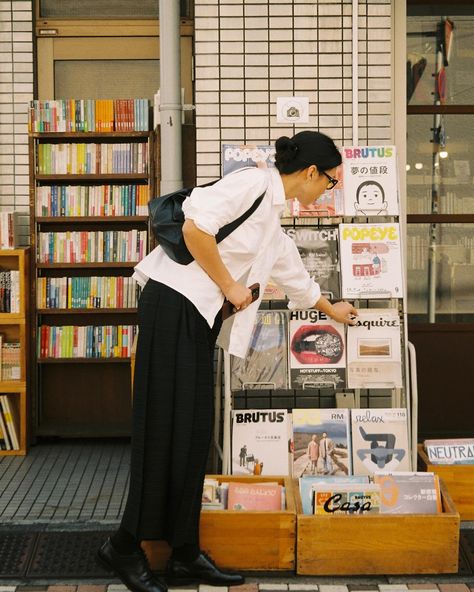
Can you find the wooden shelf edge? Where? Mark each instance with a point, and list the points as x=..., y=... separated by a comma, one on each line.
x=92, y=176
x=83, y=360
x=88, y=219
x=60, y=311
x=12, y=386
x=21, y=452
x=89, y=264
x=15, y=318
x=73, y=135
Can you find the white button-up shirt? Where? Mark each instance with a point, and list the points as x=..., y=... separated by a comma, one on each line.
x=257, y=250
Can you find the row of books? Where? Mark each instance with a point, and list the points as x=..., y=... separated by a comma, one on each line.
x=9, y=425
x=92, y=200
x=10, y=291
x=92, y=159
x=329, y=442
x=91, y=341
x=450, y=451
x=367, y=180
x=92, y=246
x=304, y=349
x=88, y=115
x=87, y=292
x=381, y=493
x=353, y=260
x=9, y=230
x=10, y=360
x=233, y=495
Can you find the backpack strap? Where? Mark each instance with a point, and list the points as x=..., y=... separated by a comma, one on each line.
x=231, y=226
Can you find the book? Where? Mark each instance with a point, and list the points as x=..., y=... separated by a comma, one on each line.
x=409, y=493
x=254, y=496
x=458, y=451
x=317, y=350
x=330, y=203
x=370, y=181
x=260, y=442
x=322, y=443
x=346, y=498
x=380, y=440
x=266, y=362
x=310, y=483
x=4, y=437
x=11, y=421
x=374, y=350
x=239, y=156
x=371, y=260
x=318, y=249
x=273, y=292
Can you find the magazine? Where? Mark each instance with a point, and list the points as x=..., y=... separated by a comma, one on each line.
x=260, y=442
x=458, y=451
x=330, y=203
x=371, y=264
x=266, y=363
x=254, y=496
x=346, y=498
x=318, y=248
x=309, y=483
x=409, y=493
x=370, y=181
x=321, y=441
x=317, y=350
x=239, y=156
x=379, y=440
x=374, y=350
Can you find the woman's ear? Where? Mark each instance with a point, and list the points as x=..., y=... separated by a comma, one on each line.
x=312, y=172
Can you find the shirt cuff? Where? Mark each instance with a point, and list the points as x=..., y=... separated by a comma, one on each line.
x=308, y=300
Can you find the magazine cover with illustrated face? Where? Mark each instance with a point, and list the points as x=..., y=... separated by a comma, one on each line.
x=260, y=442
x=371, y=264
x=370, y=181
x=321, y=441
x=374, y=350
x=266, y=363
x=317, y=350
x=330, y=203
x=239, y=156
x=380, y=440
x=318, y=249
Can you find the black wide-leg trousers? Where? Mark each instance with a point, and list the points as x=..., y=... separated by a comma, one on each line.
x=173, y=415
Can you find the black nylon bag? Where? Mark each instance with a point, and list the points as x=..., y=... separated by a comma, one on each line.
x=167, y=219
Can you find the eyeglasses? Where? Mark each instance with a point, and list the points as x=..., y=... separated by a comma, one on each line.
x=332, y=181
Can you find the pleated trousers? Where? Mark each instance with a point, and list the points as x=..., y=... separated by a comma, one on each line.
x=173, y=415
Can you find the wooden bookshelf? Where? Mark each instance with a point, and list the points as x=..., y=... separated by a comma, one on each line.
x=14, y=328
x=83, y=396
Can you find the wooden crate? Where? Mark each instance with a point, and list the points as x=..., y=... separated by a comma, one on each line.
x=378, y=543
x=459, y=481
x=252, y=541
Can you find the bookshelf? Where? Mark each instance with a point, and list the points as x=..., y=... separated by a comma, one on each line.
x=89, y=226
x=14, y=330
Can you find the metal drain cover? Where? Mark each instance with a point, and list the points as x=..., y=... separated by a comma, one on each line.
x=68, y=555
x=15, y=551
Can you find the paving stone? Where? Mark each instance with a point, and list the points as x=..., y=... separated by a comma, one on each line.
x=207, y=588
x=453, y=588
x=362, y=587
x=303, y=587
x=7, y=588
x=332, y=588
x=273, y=587
x=244, y=588
x=91, y=588
x=55, y=588
x=427, y=586
x=392, y=587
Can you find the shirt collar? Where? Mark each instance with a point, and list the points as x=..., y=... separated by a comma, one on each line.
x=278, y=191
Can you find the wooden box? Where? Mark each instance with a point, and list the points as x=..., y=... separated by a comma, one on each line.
x=378, y=543
x=459, y=481
x=251, y=541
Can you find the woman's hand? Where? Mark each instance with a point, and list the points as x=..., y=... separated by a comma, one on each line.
x=344, y=312
x=239, y=295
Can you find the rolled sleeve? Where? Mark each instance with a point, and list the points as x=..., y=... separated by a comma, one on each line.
x=212, y=207
x=290, y=275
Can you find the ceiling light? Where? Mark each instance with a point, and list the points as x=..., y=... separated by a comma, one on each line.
x=443, y=154
x=418, y=165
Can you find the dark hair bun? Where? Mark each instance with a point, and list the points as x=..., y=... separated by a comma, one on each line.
x=286, y=150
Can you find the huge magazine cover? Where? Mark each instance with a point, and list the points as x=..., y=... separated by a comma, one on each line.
x=318, y=248
x=260, y=442
x=239, y=156
x=317, y=350
x=374, y=358
x=380, y=440
x=371, y=265
x=266, y=363
x=321, y=442
x=370, y=181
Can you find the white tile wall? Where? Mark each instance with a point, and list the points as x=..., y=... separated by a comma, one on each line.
x=271, y=48
x=16, y=89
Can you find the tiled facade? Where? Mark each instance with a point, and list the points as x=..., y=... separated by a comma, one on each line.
x=16, y=90
x=247, y=54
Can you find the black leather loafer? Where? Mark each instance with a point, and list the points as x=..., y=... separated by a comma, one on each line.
x=133, y=569
x=202, y=570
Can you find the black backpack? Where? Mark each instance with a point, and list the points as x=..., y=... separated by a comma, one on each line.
x=167, y=219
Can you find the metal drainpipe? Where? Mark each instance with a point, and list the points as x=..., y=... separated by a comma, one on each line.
x=170, y=96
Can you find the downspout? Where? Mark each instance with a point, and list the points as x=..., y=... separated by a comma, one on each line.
x=170, y=97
